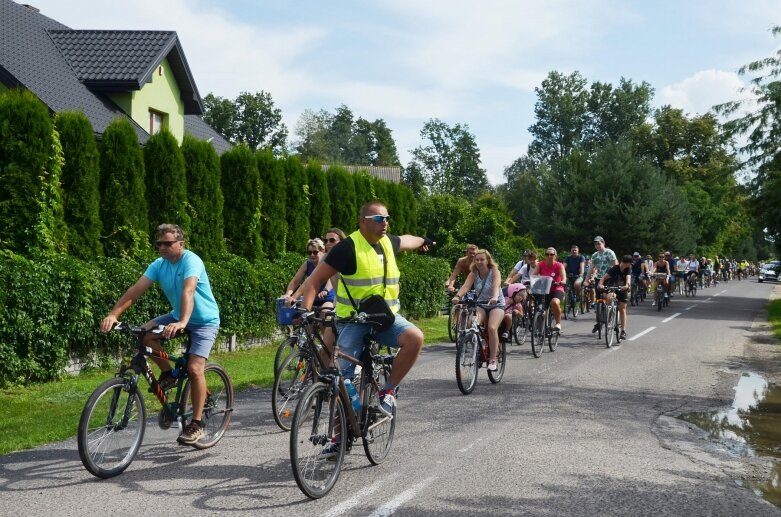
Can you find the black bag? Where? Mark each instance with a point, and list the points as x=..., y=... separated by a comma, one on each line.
x=380, y=311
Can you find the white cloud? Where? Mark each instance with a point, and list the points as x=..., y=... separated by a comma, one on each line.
x=703, y=90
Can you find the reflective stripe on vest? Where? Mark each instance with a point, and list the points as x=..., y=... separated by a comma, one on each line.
x=367, y=279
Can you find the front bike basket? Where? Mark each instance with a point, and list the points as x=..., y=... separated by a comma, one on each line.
x=541, y=284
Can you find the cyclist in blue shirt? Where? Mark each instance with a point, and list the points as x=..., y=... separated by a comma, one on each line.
x=182, y=277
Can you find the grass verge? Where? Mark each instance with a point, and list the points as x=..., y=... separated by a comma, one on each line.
x=43, y=413
x=774, y=316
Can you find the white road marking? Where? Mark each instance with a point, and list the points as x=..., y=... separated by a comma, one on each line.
x=470, y=445
x=393, y=505
x=724, y=291
x=690, y=307
x=671, y=317
x=643, y=333
x=708, y=298
x=351, y=503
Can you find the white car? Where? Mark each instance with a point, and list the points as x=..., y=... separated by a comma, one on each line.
x=769, y=272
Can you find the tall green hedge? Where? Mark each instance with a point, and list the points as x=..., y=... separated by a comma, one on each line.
x=123, y=207
x=319, y=201
x=298, y=202
x=242, y=213
x=344, y=210
x=364, y=188
x=80, y=184
x=30, y=164
x=273, y=221
x=166, y=182
x=204, y=198
x=421, y=291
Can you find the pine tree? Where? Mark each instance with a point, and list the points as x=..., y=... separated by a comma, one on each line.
x=241, y=214
x=204, y=197
x=344, y=212
x=166, y=182
x=319, y=201
x=273, y=222
x=297, y=204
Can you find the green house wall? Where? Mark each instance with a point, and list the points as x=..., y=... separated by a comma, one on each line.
x=162, y=94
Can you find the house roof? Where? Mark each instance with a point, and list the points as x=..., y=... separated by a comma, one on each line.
x=67, y=69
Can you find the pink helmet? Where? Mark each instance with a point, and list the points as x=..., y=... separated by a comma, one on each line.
x=514, y=288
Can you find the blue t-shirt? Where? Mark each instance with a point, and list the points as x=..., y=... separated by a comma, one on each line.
x=573, y=264
x=171, y=278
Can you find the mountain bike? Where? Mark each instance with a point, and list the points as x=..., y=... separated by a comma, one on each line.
x=638, y=291
x=472, y=350
x=607, y=315
x=660, y=300
x=112, y=424
x=572, y=300
x=543, y=320
x=691, y=285
x=326, y=424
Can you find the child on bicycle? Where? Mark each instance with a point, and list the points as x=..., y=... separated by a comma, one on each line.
x=516, y=295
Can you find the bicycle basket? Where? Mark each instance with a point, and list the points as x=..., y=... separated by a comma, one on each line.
x=285, y=314
x=541, y=285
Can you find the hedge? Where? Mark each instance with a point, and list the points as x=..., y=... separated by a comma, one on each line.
x=52, y=304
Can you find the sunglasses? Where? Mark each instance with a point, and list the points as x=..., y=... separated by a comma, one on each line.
x=165, y=244
x=313, y=252
x=550, y=254
x=332, y=240
x=378, y=218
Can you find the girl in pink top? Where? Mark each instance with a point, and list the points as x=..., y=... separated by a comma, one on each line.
x=550, y=267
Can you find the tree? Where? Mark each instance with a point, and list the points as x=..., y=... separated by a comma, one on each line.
x=561, y=113
x=319, y=200
x=123, y=206
x=412, y=176
x=613, y=113
x=298, y=202
x=344, y=212
x=274, y=214
x=242, y=214
x=251, y=118
x=166, y=182
x=80, y=185
x=205, y=199
x=450, y=161
x=364, y=187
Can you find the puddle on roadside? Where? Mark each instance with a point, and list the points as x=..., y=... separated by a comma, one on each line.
x=750, y=427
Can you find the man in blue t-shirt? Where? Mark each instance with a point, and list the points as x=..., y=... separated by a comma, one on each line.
x=183, y=278
x=575, y=267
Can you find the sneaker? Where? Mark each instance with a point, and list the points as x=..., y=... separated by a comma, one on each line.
x=623, y=334
x=387, y=401
x=330, y=452
x=505, y=336
x=557, y=327
x=191, y=434
x=596, y=328
x=492, y=366
x=166, y=381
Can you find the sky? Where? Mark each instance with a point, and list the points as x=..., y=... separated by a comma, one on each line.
x=467, y=62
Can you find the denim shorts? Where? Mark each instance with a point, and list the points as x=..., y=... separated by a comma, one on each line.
x=202, y=337
x=350, y=339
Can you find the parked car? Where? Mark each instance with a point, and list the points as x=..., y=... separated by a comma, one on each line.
x=769, y=272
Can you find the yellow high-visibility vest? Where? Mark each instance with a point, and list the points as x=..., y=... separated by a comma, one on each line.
x=368, y=277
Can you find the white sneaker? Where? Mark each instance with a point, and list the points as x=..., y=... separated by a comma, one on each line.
x=492, y=366
x=557, y=326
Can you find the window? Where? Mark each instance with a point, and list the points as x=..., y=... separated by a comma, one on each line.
x=156, y=121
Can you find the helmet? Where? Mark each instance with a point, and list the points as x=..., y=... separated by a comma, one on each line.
x=636, y=254
x=514, y=288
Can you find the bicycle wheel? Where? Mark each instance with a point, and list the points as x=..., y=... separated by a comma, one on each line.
x=111, y=428
x=573, y=305
x=293, y=378
x=610, y=325
x=501, y=361
x=316, y=444
x=520, y=326
x=378, y=428
x=633, y=294
x=452, y=323
x=288, y=348
x=466, y=362
x=218, y=407
x=553, y=334
x=659, y=296
x=538, y=333
x=694, y=289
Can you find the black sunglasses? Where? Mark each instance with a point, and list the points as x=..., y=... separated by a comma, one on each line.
x=312, y=252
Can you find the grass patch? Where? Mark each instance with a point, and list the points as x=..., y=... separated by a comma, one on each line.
x=774, y=316
x=43, y=413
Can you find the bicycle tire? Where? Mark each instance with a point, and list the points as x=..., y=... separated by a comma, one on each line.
x=553, y=334
x=288, y=348
x=659, y=298
x=573, y=305
x=111, y=428
x=314, y=470
x=618, y=331
x=294, y=377
x=218, y=407
x=633, y=294
x=378, y=428
x=452, y=324
x=520, y=328
x=466, y=362
x=610, y=326
x=538, y=333
x=501, y=361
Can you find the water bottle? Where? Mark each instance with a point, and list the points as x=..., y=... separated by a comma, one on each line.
x=353, y=394
x=175, y=372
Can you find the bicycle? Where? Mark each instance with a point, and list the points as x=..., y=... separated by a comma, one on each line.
x=297, y=372
x=585, y=298
x=607, y=315
x=691, y=285
x=543, y=320
x=638, y=292
x=112, y=423
x=571, y=298
x=522, y=324
x=326, y=423
x=472, y=349
x=660, y=300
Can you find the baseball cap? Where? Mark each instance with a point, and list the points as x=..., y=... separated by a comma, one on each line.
x=636, y=254
x=599, y=239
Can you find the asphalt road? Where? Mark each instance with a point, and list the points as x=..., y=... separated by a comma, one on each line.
x=584, y=430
